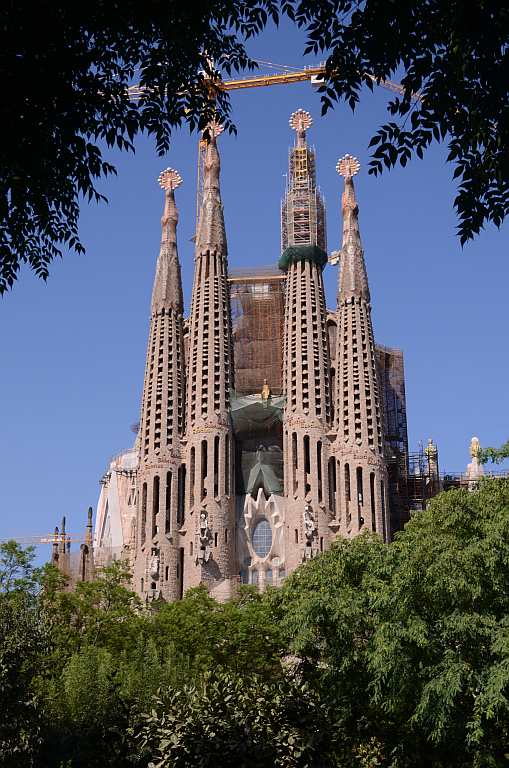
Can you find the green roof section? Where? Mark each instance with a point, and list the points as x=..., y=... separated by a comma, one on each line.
x=295, y=253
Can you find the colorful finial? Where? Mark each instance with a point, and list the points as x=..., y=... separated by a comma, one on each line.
x=169, y=179
x=214, y=129
x=300, y=120
x=348, y=166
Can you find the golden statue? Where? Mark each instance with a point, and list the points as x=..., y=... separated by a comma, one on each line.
x=265, y=390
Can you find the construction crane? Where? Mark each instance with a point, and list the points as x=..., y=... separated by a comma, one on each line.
x=285, y=75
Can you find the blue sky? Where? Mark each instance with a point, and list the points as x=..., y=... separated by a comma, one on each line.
x=73, y=350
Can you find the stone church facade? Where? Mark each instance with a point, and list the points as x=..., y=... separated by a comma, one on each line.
x=270, y=425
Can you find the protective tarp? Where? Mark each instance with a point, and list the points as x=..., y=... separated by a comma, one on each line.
x=295, y=253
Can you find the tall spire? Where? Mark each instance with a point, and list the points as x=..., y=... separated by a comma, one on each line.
x=353, y=279
x=211, y=233
x=359, y=444
x=162, y=417
x=167, y=290
x=306, y=367
x=209, y=513
x=302, y=209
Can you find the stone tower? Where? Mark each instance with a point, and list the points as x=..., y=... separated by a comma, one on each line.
x=156, y=569
x=208, y=528
x=361, y=472
x=306, y=356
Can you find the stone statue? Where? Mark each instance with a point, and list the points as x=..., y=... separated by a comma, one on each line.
x=475, y=469
x=309, y=531
x=205, y=537
x=154, y=564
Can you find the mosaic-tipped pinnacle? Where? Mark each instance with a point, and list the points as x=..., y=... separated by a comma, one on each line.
x=348, y=166
x=300, y=120
x=214, y=129
x=169, y=179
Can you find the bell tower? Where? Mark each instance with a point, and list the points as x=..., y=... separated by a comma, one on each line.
x=306, y=373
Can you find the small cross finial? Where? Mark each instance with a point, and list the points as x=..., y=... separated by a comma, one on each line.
x=169, y=179
x=348, y=166
x=300, y=120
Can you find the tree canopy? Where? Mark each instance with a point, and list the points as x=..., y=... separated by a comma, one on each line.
x=369, y=656
x=65, y=72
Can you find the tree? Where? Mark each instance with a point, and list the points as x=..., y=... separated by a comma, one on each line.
x=496, y=455
x=24, y=645
x=455, y=57
x=64, y=95
x=409, y=643
x=65, y=71
x=228, y=721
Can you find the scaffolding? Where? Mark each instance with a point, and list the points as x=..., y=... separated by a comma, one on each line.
x=303, y=207
x=257, y=311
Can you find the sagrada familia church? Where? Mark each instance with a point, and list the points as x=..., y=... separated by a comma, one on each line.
x=270, y=425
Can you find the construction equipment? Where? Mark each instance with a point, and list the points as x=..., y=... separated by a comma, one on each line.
x=284, y=75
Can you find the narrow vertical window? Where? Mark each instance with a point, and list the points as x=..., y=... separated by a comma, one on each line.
x=155, y=505
x=192, y=466
x=332, y=485
x=227, y=465
x=307, y=464
x=372, y=500
x=167, y=504
x=295, y=460
x=143, y=531
x=204, y=468
x=307, y=456
x=216, y=466
x=382, y=498
x=319, y=470
x=181, y=493
x=360, y=492
x=348, y=496
x=180, y=571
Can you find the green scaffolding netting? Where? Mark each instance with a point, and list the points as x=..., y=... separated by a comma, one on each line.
x=302, y=253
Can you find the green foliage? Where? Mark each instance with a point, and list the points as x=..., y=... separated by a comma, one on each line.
x=370, y=655
x=455, y=60
x=239, y=635
x=17, y=572
x=65, y=98
x=496, y=455
x=409, y=643
x=65, y=95
x=232, y=722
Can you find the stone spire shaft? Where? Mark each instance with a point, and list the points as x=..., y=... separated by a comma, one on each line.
x=162, y=420
x=306, y=367
x=359, y=442
x=353, y=275
x=167, y=289
x=210, y=521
